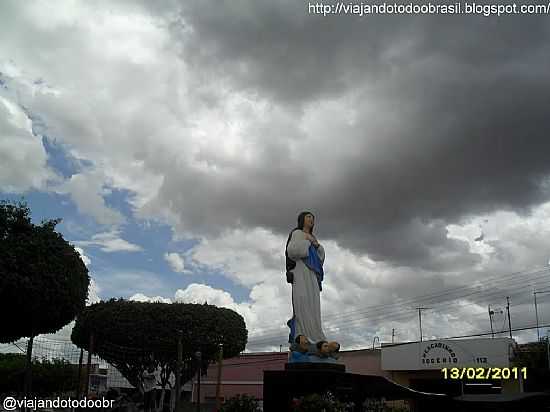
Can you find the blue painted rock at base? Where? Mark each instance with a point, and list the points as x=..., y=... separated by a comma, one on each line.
x=298, y=357
x=318, y=359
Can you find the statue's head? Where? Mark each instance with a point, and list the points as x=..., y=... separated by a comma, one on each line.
x=306, y=220
x=302, y=342
x=333, y=347
x=323, y=348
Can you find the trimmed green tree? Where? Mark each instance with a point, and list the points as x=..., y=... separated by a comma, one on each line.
x=132, y=335
x=43, y=281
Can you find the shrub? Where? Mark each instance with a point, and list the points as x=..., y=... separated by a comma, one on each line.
x=241, y=403
x=326, y=402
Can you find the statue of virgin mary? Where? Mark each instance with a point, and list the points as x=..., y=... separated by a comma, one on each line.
x=305, y=257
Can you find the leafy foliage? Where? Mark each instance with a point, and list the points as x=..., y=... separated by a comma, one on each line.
x=49, y=376
x=130, y=335
x=43, y=281
x=241, y=403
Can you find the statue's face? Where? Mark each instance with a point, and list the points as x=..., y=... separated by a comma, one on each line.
x=309, y=221
x=324, y=349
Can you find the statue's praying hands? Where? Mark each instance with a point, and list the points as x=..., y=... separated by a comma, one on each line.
x=312, y=239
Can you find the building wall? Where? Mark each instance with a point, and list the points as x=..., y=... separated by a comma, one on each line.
x=229, y=389
x=243, y=374
x=364, y=362
x=437, y=354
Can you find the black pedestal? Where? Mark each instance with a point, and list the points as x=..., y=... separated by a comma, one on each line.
x=298, y=380
x=312, y=366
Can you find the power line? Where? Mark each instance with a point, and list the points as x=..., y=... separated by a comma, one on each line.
x=351, y=325
x=523, y=328
x=389, y=308
x=488, y=333
x=404, y=316
x=418, y=300
x=486, y=282
x=470, y=335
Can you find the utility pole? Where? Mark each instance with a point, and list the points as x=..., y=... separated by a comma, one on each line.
x=508, y=310
x=537, y=315
x=420, y=320
x=491, y=313
x=536, y=309
x=392, y=334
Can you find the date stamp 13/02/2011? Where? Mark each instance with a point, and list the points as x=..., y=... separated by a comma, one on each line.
x=484, y=373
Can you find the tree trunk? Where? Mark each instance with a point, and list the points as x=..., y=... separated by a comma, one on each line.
x=79, y=386
x=172, y=398
x=161, y=401
x=165, y=374
x=28, y=369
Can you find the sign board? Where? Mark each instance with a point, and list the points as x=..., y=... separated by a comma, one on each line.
x=447, y=353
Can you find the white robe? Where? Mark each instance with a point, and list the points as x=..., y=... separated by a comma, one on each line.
x=306, y=298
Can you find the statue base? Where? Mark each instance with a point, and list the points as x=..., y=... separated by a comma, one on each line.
x=315, y=366
x=282, y=387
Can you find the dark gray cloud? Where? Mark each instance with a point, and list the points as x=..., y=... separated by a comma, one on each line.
x=451, y=122
x=282, y=50
x=387, y=127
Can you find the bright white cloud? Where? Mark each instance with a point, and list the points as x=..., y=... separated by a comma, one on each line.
x=22, y=156
x=248, y=257
x=93, y=293
x=510, y=242
x=84, y=258
x=110, y=242
x=86, y=190
x=175, y=261
x=198, y=293
x=140, y=297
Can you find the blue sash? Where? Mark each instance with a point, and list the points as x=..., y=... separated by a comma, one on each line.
x=314, y=263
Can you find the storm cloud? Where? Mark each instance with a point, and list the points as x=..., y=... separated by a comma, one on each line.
x=419, y=142
x=402, y=124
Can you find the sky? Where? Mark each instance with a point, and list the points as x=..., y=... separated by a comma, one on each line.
x=179, y=141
